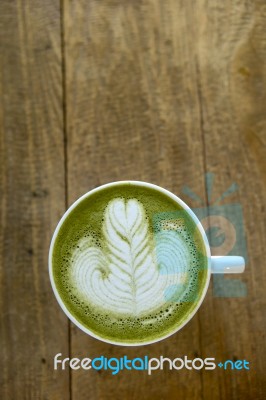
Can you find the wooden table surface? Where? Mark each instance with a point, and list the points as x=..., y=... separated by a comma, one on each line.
x=94, y=91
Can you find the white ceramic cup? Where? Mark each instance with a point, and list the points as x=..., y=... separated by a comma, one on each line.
x=216, y=264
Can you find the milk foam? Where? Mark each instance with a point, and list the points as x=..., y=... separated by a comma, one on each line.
x=131, y=270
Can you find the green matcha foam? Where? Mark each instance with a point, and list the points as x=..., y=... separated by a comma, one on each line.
x=124, y=269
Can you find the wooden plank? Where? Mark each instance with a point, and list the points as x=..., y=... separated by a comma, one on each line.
x=232, y=75
x=33, y=328
x=133, y=113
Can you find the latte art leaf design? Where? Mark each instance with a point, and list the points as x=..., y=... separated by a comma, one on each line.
x=123, y=276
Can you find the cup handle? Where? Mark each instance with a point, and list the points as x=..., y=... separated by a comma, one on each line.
x=227, y=264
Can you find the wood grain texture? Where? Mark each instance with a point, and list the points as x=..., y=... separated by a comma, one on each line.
x=231, y=59
x=33, y=329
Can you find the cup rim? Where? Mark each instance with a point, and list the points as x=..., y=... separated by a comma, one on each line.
x=173, y=197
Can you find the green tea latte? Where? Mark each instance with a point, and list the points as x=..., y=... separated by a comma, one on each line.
x=129, y=263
